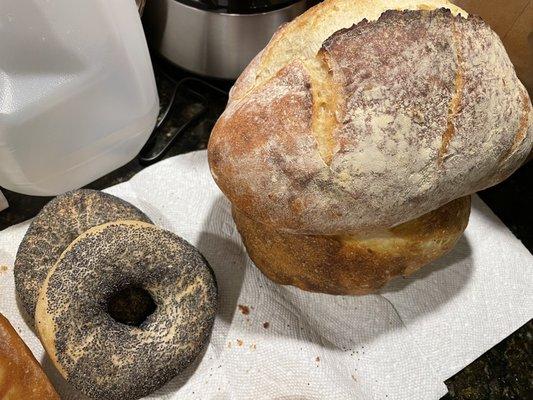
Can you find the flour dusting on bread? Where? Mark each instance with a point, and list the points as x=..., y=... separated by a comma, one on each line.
x=356, y=118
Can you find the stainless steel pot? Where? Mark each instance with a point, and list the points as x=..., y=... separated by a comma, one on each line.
x=211, y=43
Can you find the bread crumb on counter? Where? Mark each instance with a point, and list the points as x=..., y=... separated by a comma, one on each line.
x=245, y=310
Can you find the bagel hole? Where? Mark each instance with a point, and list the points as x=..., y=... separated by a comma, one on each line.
x=131, y=306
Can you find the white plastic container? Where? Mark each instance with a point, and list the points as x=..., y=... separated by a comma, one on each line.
x=77, y=92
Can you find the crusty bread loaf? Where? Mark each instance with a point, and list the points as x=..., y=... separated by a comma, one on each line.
x=358, y=264
x=21, y=376
x=361, y=115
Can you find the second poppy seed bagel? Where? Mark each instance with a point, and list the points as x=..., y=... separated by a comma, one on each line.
x=107, y=359
x=60, y=222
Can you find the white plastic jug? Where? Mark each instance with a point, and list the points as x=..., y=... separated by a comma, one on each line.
x=77, y=92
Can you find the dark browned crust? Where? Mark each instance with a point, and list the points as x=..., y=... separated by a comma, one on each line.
x=21, y=376
x=285, y=102
x=343, y=266
x=103, y=358
x=60, y=222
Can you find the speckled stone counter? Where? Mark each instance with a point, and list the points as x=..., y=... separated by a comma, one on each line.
x=504, y=372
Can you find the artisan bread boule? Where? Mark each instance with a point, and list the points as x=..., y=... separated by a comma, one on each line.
x=362, y=115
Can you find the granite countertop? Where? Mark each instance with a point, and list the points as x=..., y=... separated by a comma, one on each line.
x=504, y=372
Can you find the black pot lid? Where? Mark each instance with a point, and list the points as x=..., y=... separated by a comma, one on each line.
x=239, y=6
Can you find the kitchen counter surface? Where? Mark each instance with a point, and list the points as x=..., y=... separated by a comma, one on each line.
x=504, y=372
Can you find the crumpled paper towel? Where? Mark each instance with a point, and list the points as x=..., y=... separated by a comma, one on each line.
x=277, y=342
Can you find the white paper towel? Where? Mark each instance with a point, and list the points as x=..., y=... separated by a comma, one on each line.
x=293, y=345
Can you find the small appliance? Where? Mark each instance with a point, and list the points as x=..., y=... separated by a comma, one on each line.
x=215, y=38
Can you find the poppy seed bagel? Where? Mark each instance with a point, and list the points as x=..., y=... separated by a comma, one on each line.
x=106, y=359
x=60, y=222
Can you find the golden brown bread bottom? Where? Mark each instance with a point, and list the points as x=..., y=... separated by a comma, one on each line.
x=21, y=376
x=349, y=265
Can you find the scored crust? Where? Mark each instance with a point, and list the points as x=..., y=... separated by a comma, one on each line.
x=303, y=37
x=336, y=129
